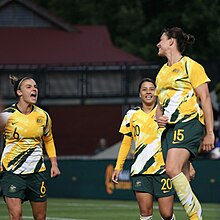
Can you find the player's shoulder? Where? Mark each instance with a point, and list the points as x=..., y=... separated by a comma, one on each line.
x=133, y=110
x=8, y=112
x=191, y=62
x=41, y=111
x=10, y=109
x=131, y=113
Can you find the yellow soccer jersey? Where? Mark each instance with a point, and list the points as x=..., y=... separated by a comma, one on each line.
x=142, y=127
x=24, y=136
x=176, y=89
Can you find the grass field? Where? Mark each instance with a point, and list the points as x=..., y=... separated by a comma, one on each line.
x=82, y=209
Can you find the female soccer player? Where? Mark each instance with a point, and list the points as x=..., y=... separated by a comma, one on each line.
x=26, y=129
x=181, y=83
x=148, y=174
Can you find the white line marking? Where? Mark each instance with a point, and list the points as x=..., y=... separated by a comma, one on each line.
x=48, y=218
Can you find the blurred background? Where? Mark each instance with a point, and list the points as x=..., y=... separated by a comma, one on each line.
x=88, y=57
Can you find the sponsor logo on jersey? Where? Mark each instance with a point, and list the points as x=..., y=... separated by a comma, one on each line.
x=176, y=70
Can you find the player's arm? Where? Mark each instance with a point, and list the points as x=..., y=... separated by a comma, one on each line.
x=122, y=155
x=50, y=149
x=161, y=119
x=1, y=124
x=199, y=81
x=51, y=152
x=209, y=138
x=3, y=120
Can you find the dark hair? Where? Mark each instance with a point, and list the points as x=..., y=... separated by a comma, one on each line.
x=181, y=37
x=145, y=80
x=16, y=82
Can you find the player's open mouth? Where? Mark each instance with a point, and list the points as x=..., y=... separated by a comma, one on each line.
x=33, y=95
x=149, y=97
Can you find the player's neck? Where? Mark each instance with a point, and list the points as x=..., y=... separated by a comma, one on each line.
x=147, y=108
x=174, y=58
x=24, y=108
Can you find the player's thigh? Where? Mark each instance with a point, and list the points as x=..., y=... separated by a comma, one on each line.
x=166, y=205
x=39, y=210
x=176, y=160
x=14, y=206
x=143, y=188
x=144, y=199
x=145, y=202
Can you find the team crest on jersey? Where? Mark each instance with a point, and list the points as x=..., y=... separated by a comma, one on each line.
x=40, y=120
x=12, y=188
x=176, y=70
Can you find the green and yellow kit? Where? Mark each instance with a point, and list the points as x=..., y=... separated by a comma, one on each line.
x=24, y=139
x=176, y=90
x=144, y=131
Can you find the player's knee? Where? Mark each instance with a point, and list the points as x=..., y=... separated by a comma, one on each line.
x=146, y=212
x=40, y=216
x=172, y=171
x=15, y=215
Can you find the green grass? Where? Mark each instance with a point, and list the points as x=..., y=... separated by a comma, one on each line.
x=83, y=209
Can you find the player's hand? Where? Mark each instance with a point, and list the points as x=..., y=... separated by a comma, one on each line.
x=208, y=142
x=115, y=176
x=162, y=121
x=54, y=172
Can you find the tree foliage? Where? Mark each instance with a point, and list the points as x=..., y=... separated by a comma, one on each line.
x=135, y=26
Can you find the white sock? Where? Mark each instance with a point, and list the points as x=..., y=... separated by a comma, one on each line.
x=145, y=217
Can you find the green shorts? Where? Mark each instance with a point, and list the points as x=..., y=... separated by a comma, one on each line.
x=32, y=187
x=157, y=185
x=186, y=135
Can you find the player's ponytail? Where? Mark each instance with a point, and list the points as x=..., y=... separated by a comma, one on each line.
x=16, y=82
x=181, y=37
x=190, y=39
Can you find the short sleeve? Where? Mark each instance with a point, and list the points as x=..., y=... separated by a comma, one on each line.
x=197, y=74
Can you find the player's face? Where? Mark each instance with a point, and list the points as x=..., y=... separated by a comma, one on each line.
x=28, y=91
x=147, y=93
x=163, y=45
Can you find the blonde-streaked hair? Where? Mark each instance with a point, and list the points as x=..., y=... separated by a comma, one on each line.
x=16, y=82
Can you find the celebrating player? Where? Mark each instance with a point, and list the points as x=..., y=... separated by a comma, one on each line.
x=148, y=174
x=181, y=82
x=26, y=129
